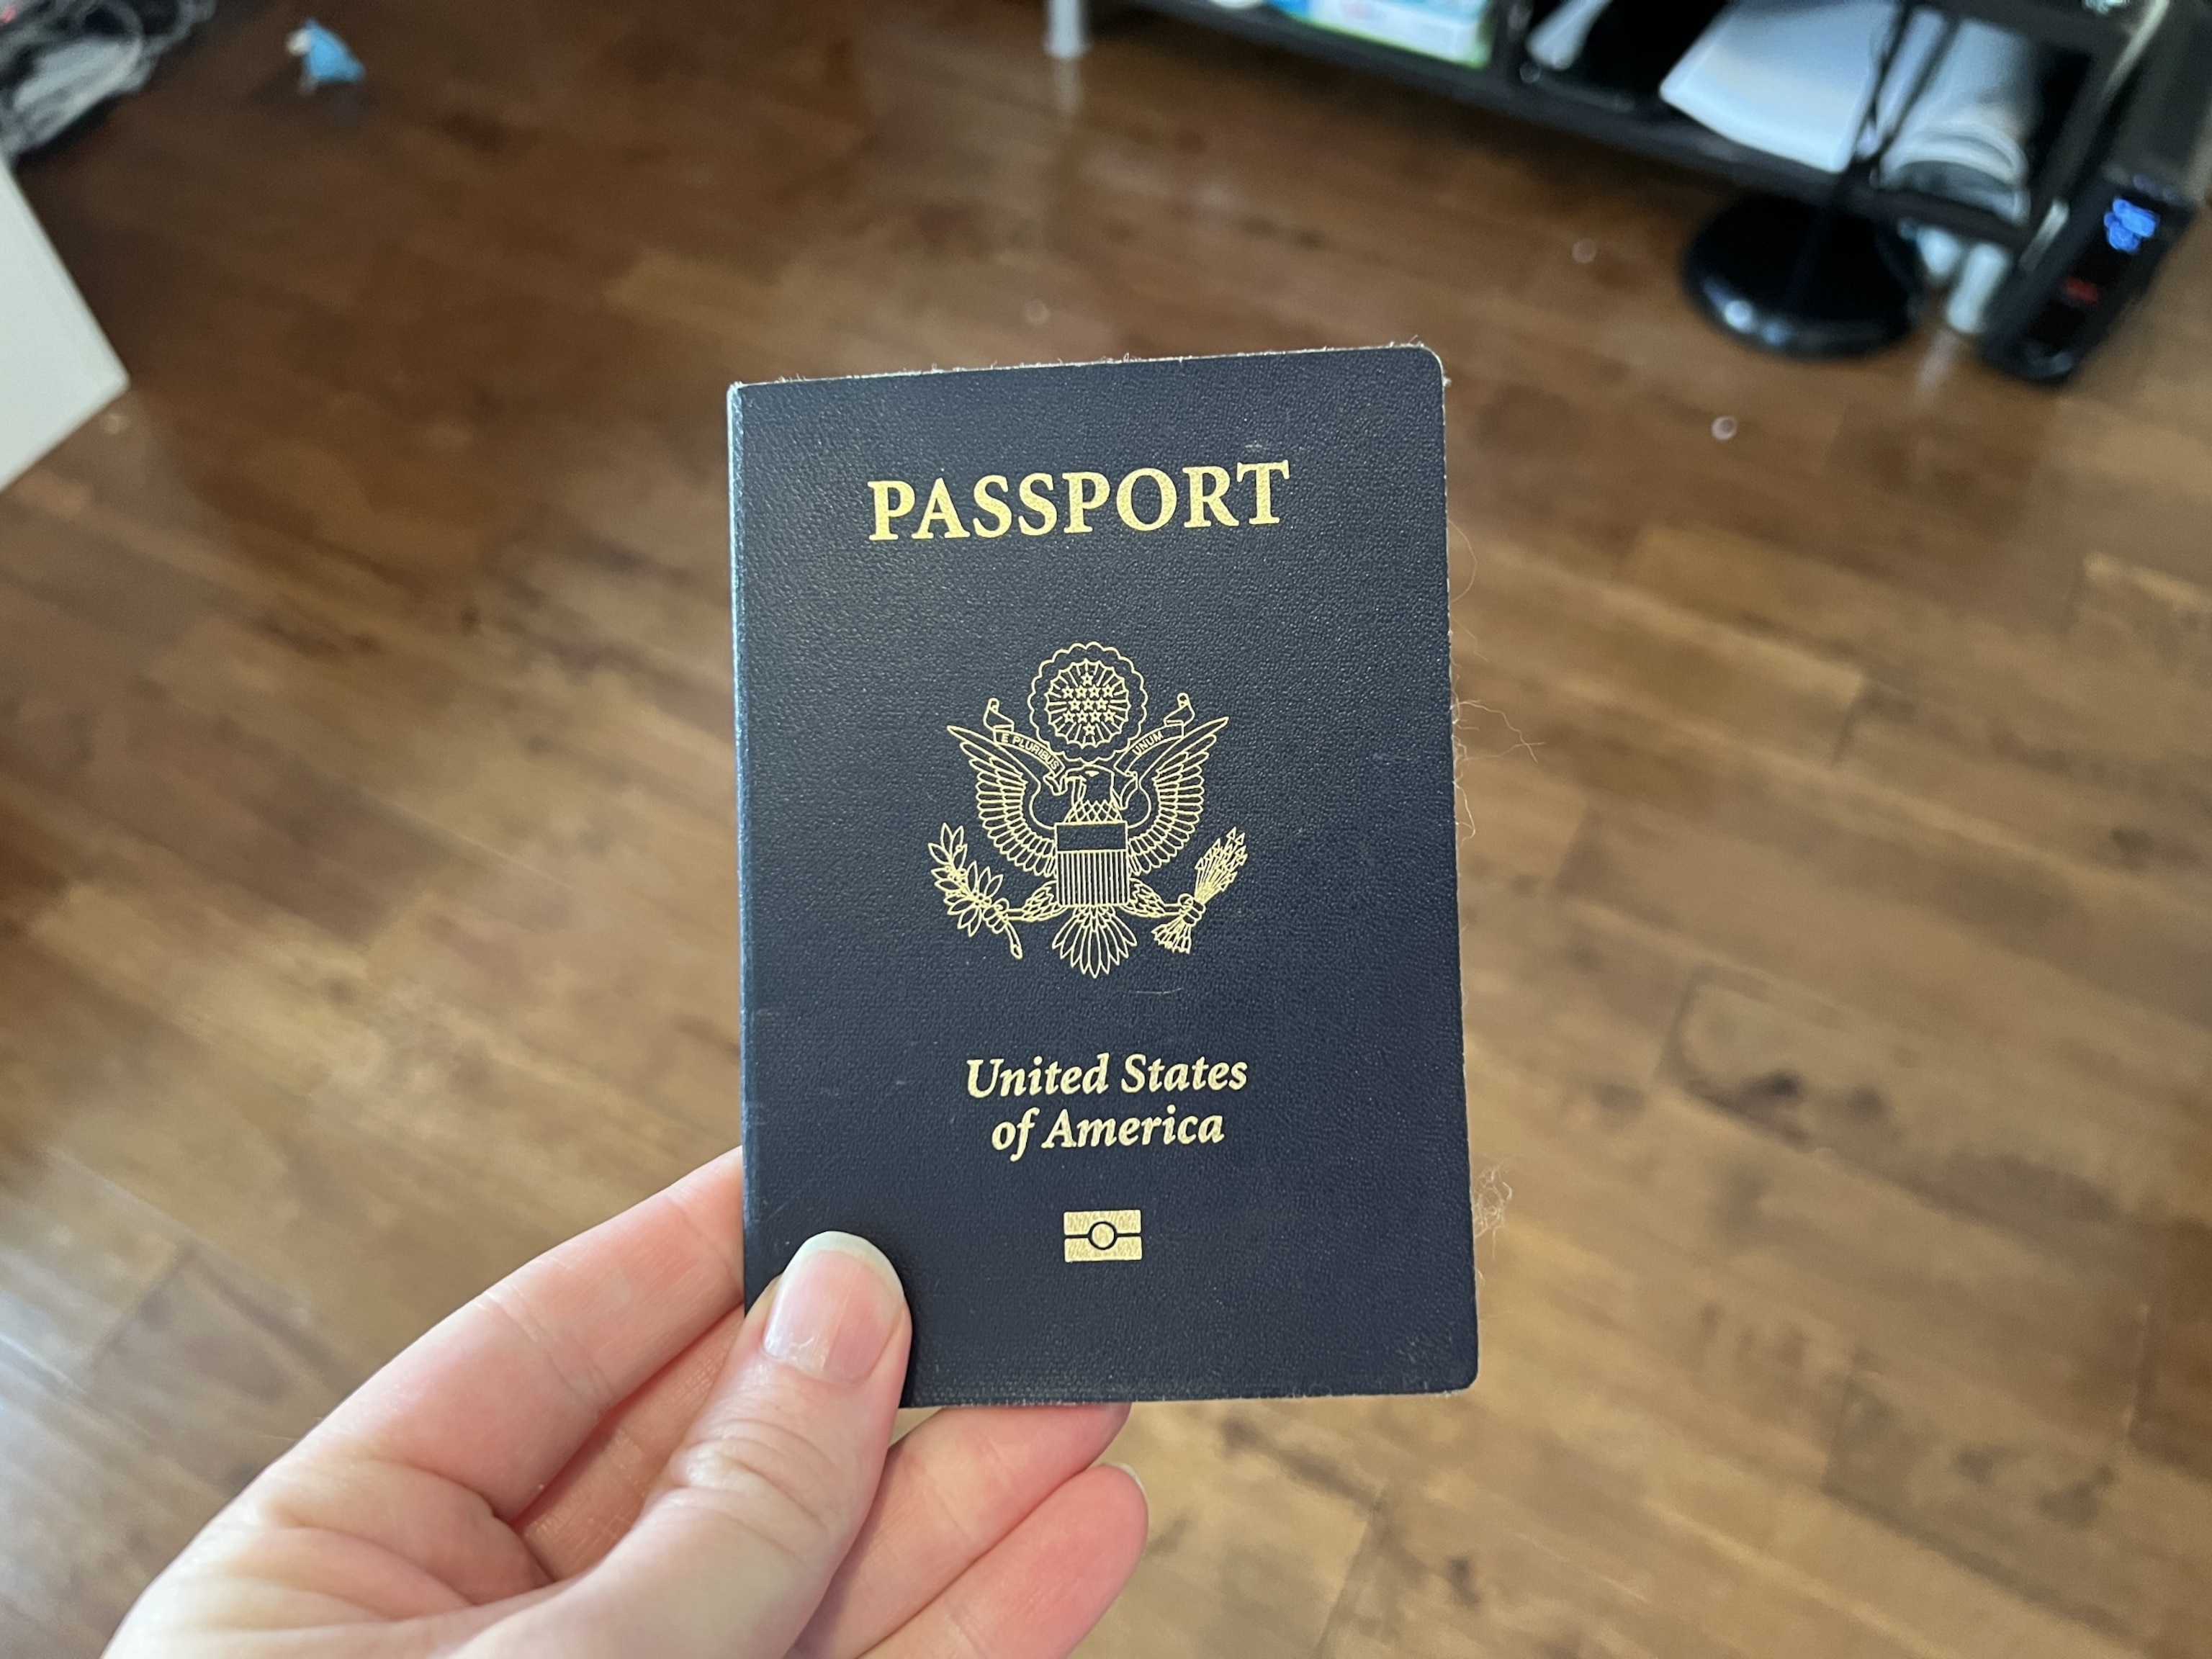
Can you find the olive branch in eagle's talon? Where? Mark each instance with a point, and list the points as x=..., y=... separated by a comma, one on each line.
x=971, y=890
x=1216, y=868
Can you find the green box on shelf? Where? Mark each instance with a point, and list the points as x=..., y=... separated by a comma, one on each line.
x=1457, y=31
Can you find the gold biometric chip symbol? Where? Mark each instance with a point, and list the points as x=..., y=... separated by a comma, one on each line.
x=1102, y=1235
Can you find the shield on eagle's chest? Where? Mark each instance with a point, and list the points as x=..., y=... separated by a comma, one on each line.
x=1093, y=863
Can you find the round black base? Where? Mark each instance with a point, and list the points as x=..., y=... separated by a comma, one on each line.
x=1791, y=278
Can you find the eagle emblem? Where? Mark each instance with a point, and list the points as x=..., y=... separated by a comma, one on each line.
x=1092, y=800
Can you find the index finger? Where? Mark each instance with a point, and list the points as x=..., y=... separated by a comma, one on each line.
x=499, y=1395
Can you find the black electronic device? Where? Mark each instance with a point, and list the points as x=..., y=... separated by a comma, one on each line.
x=2145, y=183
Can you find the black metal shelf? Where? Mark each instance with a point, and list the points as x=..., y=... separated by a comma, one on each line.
x=1676, y=138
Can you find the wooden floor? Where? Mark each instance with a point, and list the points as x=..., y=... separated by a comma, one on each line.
x=1837, y=892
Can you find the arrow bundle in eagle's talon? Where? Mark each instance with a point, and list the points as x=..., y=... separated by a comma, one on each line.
x=1217, y=868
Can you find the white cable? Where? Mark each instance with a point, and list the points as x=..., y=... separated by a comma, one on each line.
x=60, y=60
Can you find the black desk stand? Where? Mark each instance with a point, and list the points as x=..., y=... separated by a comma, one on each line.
x=1810, y=281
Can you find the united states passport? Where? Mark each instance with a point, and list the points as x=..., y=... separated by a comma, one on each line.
x=1099, y=944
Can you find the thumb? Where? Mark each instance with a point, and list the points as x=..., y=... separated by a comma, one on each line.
x=762, y=1501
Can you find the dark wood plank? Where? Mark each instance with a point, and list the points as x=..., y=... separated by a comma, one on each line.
x=91, y=1511
x=1901, y=1274
x=578, y=980
x=1524, y=613
x=1881, y=953
x=2086, y=803
x=1575, y=996
x=23, y=1635
x=314, y=1203
x=34, y=868
x=2079, y=1523
x=2173, y=1413
x=107, y=586
x=1247, y=1550
x=2073, y=701
x=2132, y=612
x=572, y=792
x=218, y=1370
x=77, y=1255
x=2087, y=1177
x=239, y=809
x=2140, y=942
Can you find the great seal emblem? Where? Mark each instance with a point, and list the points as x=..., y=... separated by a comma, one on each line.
x=1093, y=798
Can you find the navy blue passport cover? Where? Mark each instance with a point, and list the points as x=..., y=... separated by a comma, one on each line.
x=1097, y=904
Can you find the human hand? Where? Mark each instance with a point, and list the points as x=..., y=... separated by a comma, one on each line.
x=603, y=1454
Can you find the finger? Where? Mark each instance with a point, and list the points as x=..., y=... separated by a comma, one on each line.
x=1040, y=1592
x=734, y=1549
x=499, y=1396
x=951, y=1491
x=591, y=1503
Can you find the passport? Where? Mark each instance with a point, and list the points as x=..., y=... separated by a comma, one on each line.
x=1099, y=953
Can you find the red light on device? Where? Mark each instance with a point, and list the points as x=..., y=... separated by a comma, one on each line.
x=2081, y=290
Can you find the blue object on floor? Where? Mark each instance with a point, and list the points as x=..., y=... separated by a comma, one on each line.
x=324, y=59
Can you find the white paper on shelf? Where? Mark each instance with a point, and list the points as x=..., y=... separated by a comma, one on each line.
x=1792, y=77
x=1437, y=29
